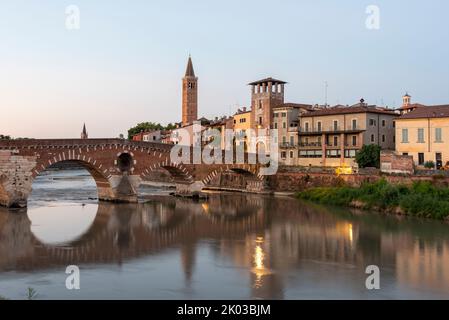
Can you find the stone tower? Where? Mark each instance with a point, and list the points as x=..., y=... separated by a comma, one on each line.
x=189, y=95
x=84, y=134
x=265, y=95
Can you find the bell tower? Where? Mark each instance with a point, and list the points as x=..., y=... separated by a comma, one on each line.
x=189, y=95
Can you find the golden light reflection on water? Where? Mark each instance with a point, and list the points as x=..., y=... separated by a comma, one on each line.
x=259, y=265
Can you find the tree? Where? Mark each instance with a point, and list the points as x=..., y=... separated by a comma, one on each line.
x=144, y=126
x=368, y=156
x=3, y=137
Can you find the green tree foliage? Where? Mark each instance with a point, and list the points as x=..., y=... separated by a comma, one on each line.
x=368, y=156
x=148, y=126
x=429, y=165
x=3, y=137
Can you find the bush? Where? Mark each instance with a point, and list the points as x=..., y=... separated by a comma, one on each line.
x=368, y=156
x=429, y=165
x=422, y=199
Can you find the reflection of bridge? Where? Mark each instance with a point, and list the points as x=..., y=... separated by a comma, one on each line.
x=125, y=231
x=118, y=166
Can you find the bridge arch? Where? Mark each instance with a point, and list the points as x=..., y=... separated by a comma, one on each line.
x=178, y=172
x=101, y=177
x=247, y=170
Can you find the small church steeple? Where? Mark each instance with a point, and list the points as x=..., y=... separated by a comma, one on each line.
x=84, y=134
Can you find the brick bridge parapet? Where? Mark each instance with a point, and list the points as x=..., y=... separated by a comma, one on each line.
x=118, y=166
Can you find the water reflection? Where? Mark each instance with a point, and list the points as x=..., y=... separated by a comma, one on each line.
x=280, y=246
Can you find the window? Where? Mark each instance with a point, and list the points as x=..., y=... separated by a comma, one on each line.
x=421, y=159
x=383, y=138
x=354, y=140
x=284, y=114
x=260, y=104
x=335, y=125
x=354, y=124
x=438, y=135
x=306, y=127
x=372, y=138
x=276, y=115
x=275, y=125
x=292, y=140
x=260, y=120
x=283, y=154
x=404, y=135
x=319, y=126
x=384, y=123
x=284, y=125
x=420, y=135
x=291, y=154
x=372, y=122
x=284, y=140
x=335, y=141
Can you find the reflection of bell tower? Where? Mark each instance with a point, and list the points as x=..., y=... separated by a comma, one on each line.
x=188, y=256
x=189, y=95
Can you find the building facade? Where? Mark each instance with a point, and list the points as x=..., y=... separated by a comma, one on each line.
x=331, y=137
x=242, y=122
x=424, y=134
x=286, y=119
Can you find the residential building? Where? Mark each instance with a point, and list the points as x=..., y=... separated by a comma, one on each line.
x=286, y=121
x=242, y=122
x=332, y=136
x=424, y=134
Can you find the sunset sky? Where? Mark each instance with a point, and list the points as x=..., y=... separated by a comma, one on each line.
x=125, y=63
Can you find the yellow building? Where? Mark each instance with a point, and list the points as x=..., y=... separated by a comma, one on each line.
x=242, y=123
x=424, y=134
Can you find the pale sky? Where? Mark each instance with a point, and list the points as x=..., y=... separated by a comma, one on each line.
x=125, y=63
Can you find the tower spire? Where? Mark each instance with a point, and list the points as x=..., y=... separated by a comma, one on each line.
x=189, y=71
x=84, y=134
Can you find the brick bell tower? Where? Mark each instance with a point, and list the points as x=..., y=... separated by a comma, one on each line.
x=189, y=95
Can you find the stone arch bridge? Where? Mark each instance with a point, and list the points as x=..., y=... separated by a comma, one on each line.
x=118, y=167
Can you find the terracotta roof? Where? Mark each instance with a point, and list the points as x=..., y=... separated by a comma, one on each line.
x=189, y=71
x=349, y=110
x=266, y=80
x=295, y=105
x=411, y=106
x=441, y=111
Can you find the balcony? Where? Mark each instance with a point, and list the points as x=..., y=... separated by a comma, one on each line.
x=287, y=145
x=310, y=145
x=329, y=130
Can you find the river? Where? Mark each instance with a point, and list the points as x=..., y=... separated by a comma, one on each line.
x=233, y=246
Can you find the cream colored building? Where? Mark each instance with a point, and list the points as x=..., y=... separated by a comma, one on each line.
x=424, y=134
x=332, y=136
x=286, y=122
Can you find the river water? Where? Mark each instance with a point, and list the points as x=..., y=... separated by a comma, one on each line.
x=233, y=246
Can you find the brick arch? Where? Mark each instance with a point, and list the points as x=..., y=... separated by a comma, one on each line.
x=178, y=171
x=99, y=173
x=245, y=169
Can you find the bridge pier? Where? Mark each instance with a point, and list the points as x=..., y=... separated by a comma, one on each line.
x=189, y=189
x=121, y=188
